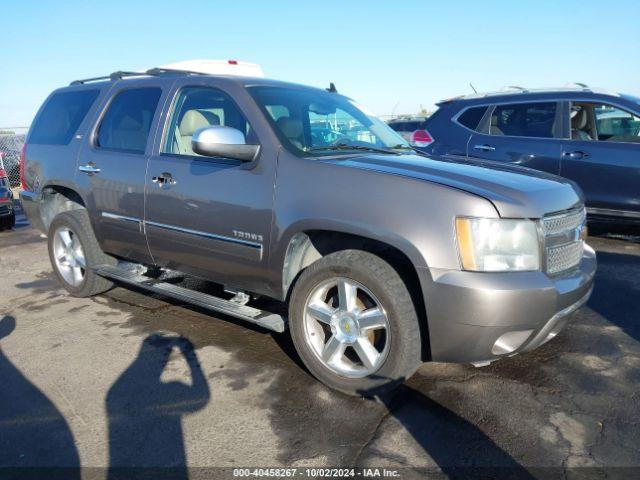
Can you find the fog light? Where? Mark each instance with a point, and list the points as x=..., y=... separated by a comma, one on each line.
x=510, y=341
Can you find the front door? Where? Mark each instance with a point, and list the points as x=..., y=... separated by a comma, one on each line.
x=526, y=134
x=112, y=166
x=603, y=158
x=207, y=216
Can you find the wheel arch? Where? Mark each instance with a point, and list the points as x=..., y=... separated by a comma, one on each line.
x=56, y=199
x=308, y=246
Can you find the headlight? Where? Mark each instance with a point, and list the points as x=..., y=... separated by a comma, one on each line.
x=498, y=245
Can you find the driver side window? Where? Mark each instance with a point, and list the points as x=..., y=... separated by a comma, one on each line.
x=200, y=107
x=604, y=123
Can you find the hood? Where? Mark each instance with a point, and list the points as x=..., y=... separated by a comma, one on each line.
x=516, y=192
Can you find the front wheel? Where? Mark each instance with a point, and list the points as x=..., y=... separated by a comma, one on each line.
x=354, y=324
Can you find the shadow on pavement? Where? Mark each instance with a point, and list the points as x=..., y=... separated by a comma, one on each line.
x=616, y=295
x=145, y=413
x=34, y=436
x=459, y=448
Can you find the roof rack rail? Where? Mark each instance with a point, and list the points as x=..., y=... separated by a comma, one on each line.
x=515, y=90
x=577, y=84
x=190, y=67
x=120, y=74
x=113, y=76
x=509, y=88
x=162, y=71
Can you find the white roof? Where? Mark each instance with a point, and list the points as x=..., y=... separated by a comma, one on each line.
x=218, y=67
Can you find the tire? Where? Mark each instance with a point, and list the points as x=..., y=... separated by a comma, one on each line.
x=77, y=223
x=375, y=282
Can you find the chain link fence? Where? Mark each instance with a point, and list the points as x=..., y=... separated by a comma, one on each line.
x=11, y=142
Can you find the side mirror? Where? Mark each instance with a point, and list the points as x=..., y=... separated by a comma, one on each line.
x=220, y=141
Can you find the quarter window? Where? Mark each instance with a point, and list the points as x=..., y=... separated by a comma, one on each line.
x=524, y=120
x=61, y=117
x=200, y=107
x=471, y=117
x=127, y=122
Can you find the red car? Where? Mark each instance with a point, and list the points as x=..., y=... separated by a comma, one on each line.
x=7, y=213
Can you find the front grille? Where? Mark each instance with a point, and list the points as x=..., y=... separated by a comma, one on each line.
x=564, y=257
x=563, y=240
x=555, y=224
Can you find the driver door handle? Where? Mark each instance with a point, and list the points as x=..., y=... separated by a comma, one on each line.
x=577, y=155
x=165, y=178
x=484, y=148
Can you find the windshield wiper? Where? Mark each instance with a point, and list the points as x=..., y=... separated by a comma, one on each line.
x=401, y=146
x=346, y=146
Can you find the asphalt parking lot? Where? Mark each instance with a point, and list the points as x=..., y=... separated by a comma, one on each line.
x=125, y=380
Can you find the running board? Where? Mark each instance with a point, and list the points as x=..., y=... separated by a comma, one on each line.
x=271, y=321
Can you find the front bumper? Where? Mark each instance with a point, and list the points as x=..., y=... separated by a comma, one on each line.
x=6, y=209
x=480, y=317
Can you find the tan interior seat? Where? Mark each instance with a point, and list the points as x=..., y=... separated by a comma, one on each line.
x=578, y=125
x=292, y=129
x=130, y=133
x=192, y=121
x=495, y=130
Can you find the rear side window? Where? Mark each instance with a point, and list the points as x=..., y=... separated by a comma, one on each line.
x=524, y=120
x=471, y=117
x=61, y=117
x=126, y=124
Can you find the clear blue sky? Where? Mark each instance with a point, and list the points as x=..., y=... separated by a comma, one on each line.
x=404, y=53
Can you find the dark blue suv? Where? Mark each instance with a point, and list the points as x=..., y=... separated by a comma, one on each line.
x=587, y=136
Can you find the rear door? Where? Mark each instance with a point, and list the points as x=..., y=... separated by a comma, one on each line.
x=213, y=218
x=112, y=165
x=527, y=134
x=602, y=156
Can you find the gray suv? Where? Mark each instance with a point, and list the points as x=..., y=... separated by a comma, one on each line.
x=302, y=212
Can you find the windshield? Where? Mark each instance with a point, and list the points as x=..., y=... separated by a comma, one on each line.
x=314, y=122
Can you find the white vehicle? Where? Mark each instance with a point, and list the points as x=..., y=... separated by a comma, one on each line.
x=217, y=67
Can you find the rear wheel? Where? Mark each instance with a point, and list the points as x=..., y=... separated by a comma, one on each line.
x=354, y=324
x=74, y=251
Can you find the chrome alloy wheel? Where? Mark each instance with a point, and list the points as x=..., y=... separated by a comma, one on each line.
x=347, y=327
x=69, y=256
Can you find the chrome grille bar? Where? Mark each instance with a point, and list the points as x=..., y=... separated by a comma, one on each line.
x=564, y=243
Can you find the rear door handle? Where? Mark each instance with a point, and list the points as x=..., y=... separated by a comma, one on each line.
x=575, y=155
x=484, y=148
x=89, y=169
x=165, y=178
